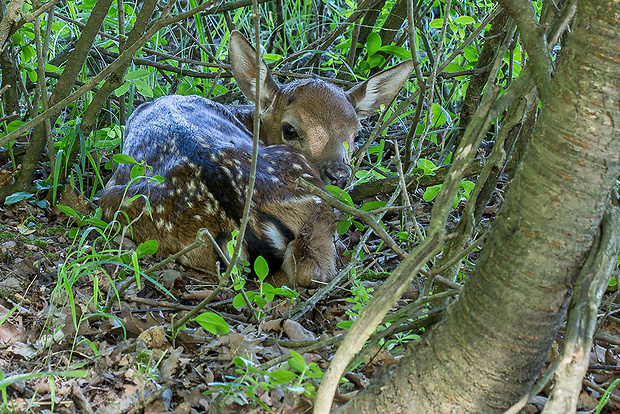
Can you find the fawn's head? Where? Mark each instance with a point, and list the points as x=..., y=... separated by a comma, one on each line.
x=311, y=115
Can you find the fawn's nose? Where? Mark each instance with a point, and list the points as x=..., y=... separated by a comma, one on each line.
x=336, y=174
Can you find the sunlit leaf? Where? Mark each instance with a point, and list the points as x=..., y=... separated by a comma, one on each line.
x=213, y=323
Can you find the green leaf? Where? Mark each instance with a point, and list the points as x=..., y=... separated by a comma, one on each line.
x=467, y=186
x=69, y=211
x=427, y=166
x=439, y=117
x=146, y=248
x=144, y=88
x=268, y=291
x=51, y=68
x=27, y=53
x=281, y=377
x=286, y=292
x=137, y=170
x=97, y=223
x=121, y=90
x=124, y=159
x=14, y=125
x=464, y=20
x=358, y=225
x=297, y=362
x=340, y=194
x=238, y=301
x=397, y=51
x=17, y=197
x=436, y=23
x=261, y=268
x=260, y=301
x=373, y=205
x=453, y=67
x=32, y=75
x=136, y=268
x=375, y=60
x=471, y=54
x=43, y=204
x=137, y=74
x=213, y=323
x=343, y=226
x=431, y=192
x=272, y=57
x=373, y=43
x=344, y=324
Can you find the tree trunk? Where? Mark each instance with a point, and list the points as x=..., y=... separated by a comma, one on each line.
x=488, y=351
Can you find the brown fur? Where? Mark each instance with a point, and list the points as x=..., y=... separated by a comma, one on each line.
x=203, y=150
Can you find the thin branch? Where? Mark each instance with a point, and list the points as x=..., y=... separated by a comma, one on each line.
x=534, y=41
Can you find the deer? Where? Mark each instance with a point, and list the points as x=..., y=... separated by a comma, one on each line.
x=203, y=150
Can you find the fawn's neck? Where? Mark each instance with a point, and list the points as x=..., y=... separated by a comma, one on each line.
x=245, y=115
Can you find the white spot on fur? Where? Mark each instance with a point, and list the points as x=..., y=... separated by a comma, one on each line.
x=159, y=223
x=198, y=217
x=159, y=209
x=306, y=175
x=297, y=166
x=168, y=226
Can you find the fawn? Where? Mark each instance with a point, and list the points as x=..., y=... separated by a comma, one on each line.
x=203, y=151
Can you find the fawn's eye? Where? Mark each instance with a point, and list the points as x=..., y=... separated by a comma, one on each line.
x=289, y=132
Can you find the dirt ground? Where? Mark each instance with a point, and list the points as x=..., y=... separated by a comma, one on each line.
x=59, y=353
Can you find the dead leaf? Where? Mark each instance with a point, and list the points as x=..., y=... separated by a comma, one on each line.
x=171, y=363
x=9, y=333
x=296, y=332
x=274, y=325
x=237, y=345
x=154, y=338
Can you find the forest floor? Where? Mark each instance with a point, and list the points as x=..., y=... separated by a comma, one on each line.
x=58, y=354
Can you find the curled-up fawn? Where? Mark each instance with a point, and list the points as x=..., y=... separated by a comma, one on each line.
x=203, y=151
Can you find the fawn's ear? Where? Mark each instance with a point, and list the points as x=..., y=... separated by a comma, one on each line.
x=243, y=61
x=367, y=97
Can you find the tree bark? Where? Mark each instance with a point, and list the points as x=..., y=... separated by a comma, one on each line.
x=488, y=351
x=8, y=66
